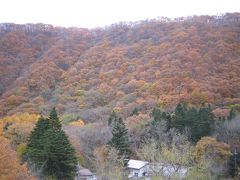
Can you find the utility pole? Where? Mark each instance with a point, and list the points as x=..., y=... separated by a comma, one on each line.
x=235, y=162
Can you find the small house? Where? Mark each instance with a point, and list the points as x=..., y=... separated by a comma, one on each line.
x=85, y=174
x=137, y=168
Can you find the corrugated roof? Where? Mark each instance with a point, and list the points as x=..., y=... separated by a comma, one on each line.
x=136, y=164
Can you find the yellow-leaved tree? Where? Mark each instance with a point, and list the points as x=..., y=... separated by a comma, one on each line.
x=10, y=167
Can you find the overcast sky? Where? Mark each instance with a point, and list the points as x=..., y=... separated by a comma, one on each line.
x=94, y=13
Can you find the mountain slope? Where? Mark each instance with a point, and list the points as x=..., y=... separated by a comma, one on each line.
x=86, y=73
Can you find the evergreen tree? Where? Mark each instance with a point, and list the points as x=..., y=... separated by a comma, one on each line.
x=181, y=120
x=206, y=120
x=134, y=112
x=36, y=144
x=199, y=122
x=161, y=123
x=192, y=116
x=156, y=114
x=54, y=120
x=50, y=150
x=231, y=114
x=202, y=124
x=113, y=117
x=120, y=139
x=168, y=119
x=59, y=155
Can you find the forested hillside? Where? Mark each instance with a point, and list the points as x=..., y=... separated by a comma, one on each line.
x=88, y=73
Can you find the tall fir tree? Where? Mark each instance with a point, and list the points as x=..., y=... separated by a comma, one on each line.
x=180, y=120
x=120, y=139
x=54, y=120
x=35, y=146
x=113, y=117
x=50, y=150
x=60, y=160
x=205, y=122
x=192, y=116
x=200, y=122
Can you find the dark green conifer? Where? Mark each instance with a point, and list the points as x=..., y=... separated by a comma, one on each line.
x=192, y=116
x=203, y=125
x=232, y=114
x=36, y=144
x=134, y=112
x=200, y=122
x=120, y=139
x=50, y=150
x=156, y=114
x=59, y=155
x=113, y=117
x=54, y=120
x=180, y=120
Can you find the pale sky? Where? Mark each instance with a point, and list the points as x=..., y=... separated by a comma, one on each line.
x=95, y=13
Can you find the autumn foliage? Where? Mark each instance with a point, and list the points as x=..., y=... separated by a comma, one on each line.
x=122, y=66
x=10, y=165
x=77, y=123
x=211, y=148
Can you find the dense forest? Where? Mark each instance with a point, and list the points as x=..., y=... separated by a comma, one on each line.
x=87, y=73
x=121, y=91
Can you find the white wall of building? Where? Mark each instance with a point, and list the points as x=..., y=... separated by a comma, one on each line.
x=139, y=172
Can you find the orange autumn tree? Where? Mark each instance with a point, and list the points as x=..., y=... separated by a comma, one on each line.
x=210, y=147
x=10, y=167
